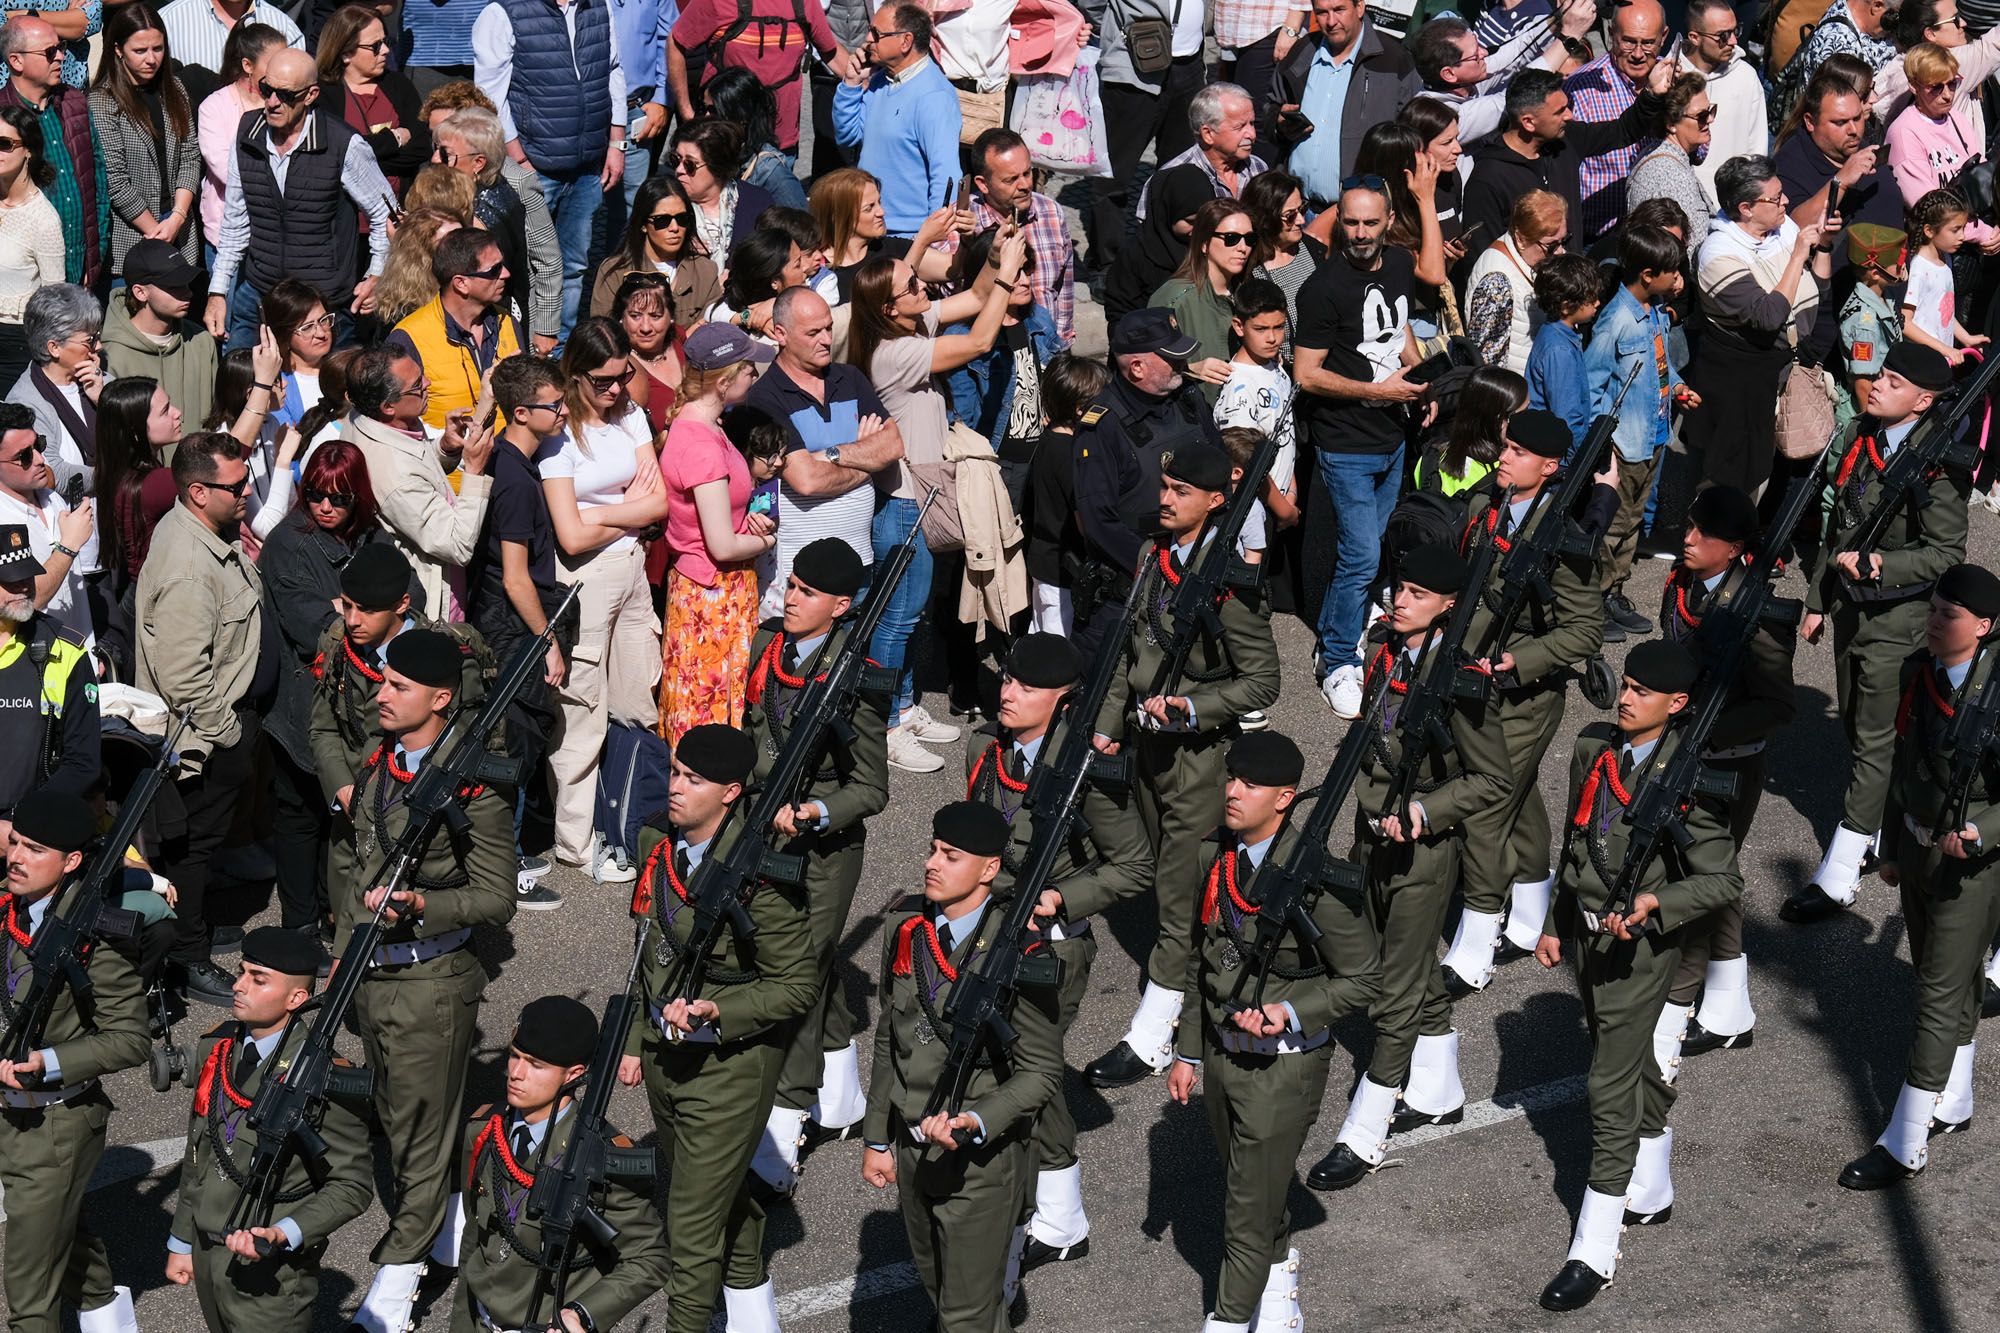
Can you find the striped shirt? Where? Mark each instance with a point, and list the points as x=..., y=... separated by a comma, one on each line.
x=815, y=426
x=1600, y=92
x=196, y=32
x=441, y=31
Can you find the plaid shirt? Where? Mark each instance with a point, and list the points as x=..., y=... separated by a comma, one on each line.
x=1239, y=23
x=1600, y=92
x=1054, y=277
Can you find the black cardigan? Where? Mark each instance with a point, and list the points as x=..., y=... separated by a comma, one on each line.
x=399, y=162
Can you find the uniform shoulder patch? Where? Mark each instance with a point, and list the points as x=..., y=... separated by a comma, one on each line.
x=1095, y=413
x=909, y=906
x=1601, y=731
x=482, y=1113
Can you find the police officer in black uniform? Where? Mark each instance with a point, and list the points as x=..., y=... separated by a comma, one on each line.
x=1150, y=408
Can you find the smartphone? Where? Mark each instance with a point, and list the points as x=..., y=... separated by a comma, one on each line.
x=1471, y=236
x=1832, y=200
x=964, y=194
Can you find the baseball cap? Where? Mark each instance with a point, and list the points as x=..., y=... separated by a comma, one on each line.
x=154, y=263
x=715, y=345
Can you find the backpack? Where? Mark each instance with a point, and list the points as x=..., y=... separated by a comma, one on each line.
x=1422, y=517
x=773, y=36
x=631, y=785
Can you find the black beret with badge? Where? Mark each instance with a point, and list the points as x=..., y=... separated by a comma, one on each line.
x=829, y=566
x=1724, y=513
x=1044, y=662
x=376, y=578
x=1266, y=758
x=1974, y=587
x=1922, y=366
x=55, y=819
x=427, y=656
x=292, y=952
x=17, y=554
x=1540, y=432
x=717, y=752
x=557, y=1031
x=971, y=826
x=1435, y=567
x=1200, y=464
x=1662, y=666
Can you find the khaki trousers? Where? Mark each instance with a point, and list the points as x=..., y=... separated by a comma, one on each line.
x=614, y=672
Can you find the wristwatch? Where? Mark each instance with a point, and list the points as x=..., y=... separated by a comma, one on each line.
x=1291, y=32
x=831, y=455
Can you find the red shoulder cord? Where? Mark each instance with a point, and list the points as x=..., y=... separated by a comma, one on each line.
x=1679, y=581
x=1385, y=661
x=1605, y=769
x=319, y=666
x=1491, y=518
x=383, y=757
x=14, y=931
x=1863, y=444
x=1939, y=701
x=999, y=771
x=642, y=892
x=1165, y=556
x=767, y=666
x=494, y=1135
x=354, y=660
x=215, y=1074
x=1223, y=875
x=904, y=965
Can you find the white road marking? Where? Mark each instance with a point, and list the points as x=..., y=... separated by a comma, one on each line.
x=1507, y=1106
x=130, y=1161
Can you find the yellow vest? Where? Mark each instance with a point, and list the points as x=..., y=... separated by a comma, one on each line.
x=453, y=372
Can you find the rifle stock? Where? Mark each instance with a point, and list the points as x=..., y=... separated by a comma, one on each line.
x=1930, y=445
x=1975, y=730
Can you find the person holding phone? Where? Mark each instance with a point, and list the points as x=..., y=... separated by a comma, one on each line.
x=902, y=113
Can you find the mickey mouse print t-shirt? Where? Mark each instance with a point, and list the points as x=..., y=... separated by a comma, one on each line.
x=1361, y=319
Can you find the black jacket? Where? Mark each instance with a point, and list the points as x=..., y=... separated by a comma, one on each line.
x=399, y=162
x=1501, y=175
x=1385, y=79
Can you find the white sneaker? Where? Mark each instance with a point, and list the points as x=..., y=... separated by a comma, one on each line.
x=905, y=753
x=922, y=726
x=607, y=865
x=1342, y=689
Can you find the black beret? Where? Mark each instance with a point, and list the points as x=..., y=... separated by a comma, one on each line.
x=830, y=566
x=427, y=656
x=1434, y=566
x=1922, y=366
x=557, y=1031
x=1198, y=464
x=717, y=752
x=376, y=578
x=1973, y=587
x=292, y=952
x=1724, y=513
x=1267, y=759
x=55, y=819
x=1663, y=666
x=1044, y=661
x=1540, y=432
x=971, y=826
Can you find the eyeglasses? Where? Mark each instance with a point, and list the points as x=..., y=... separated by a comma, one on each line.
x=378, y=47
x=289, y=96
x=877, y=35
x=676, y=217
x=235, y=488
x=9, y=145
x=1955, y=21
x=1950, y=85
x=26, y=458
x=324, y=324
x=1476, y=53
x=559, y=407
x=444, y=155
x=91, y=341
x=1727, y=37
x=490, y=272
x=1702, y=119
x=421, y=389
x=606, y=383
x=1291, y=215
x=1375, y=183
x=51, y=54
x=338, y=499
x=912, y=287
x=1778, y=198
x=1233, y=238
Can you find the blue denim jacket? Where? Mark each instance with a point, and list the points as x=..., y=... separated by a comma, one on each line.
x=1623, y=337
x=1558, y=381
x=982, y=390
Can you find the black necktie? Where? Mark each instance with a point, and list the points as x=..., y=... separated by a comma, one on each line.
x=944, y=938
x=789, y=659
x=1624, y=764
x=681, y=862
x=523, y=1143
x=247, y=1062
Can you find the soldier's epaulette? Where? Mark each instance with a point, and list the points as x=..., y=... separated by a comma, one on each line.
x=70, y=637
x=482, y=1113
x=775, y=625
x=220, y=1030
x=911, y=903
x=993, y=729
x=1601, y=730
x=1093, y=414
x=660, y=820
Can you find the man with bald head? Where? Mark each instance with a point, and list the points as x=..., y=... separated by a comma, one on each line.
x=33, y=55
x=1604, y=90
x=299, y=181
x=837, y=435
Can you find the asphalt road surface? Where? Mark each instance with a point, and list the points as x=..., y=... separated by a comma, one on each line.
x=1474, y=1218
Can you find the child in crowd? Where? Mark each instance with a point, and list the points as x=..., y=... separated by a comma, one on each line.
x=1937, y=229
x=1569, y=288
x=1631, y=336
x=1870, y=322
x=1259, y=392
x=1241, y=443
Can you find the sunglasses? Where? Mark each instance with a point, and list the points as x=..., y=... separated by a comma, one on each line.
x=1702, y=119
x=9, y=145
x=1232, y=238
x=1950, y=85
x=689, y=164
x=606, y=383
x=673, y=218
x=235, y=488
x=490, y=272
x=1727, y=37
x=52, y=54
x=559, y=407
x=376, y=48
x=289, y=96
x=877, y=35
x=912, y=287
x=338, y=499
x=444, y=155
x=1375, y=183
x=26, y=458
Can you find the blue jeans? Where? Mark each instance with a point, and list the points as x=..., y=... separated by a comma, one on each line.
x=1362, y=489
x=893, y=521
x=573, y=203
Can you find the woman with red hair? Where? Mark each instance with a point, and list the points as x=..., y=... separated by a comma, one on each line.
x=301, y=564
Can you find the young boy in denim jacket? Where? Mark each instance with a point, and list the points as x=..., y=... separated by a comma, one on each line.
x=1569, y=288
x=1632, y=332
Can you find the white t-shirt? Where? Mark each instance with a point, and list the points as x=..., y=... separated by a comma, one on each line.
x=1930, y=299
x=1256, y=396
x=69, y=607
x=601, y=475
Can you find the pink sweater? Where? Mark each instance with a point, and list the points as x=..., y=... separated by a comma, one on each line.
x=215, y=129
x=1923, y=153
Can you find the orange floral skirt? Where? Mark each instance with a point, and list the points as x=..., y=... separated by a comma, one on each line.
x=705, y=652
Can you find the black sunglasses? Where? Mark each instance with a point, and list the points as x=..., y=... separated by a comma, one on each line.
x=1375, y=183
x=490, y=272
x=8, y=145
x=235, y=488
x=26, y=457
x=289, y=96
x=1232, y=238
x=338, y=499
x=606, y=383
x=673, y=218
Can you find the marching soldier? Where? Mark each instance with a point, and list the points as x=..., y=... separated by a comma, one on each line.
x=504, y=1151
x=1105, y=861
x=711, y=1065
x=1550, y=641
x=1178, y=749
x=53, y=1110
x=418, y=1009
x=821, y=1078
x=1625, y=960
x=1949, y=872
x=241, y=1290
x=1877, y=613
x=960, y=1204
x=1721, y=528
x=1266, y=1065
x=1413, y=858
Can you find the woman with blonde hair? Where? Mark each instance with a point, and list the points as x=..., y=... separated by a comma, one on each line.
x=1500, y=312
x=1931, y=140
x=847, y=205
x=407, y=284
x=446, y=191
x=713, y=536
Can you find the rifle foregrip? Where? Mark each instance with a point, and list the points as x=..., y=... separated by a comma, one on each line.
x=739, y=921
x=351, y=1083
x=599, y=1227
x=638, y=1167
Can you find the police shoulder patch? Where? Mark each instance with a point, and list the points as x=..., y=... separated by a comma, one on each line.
x=1095, y=413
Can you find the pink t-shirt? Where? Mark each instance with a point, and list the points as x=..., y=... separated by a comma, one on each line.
x=1924, y=153
x=696, y=453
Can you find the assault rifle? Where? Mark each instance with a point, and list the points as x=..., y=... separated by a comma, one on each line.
x=1425, y=717
x=1214, y=570
x=1975, y=732
x=724, y=883
x=975, y=1009
x=284, y=1113
x=1537, y=548
x=1934, y=443
x=563, y=1201
x=85, y=911
x=1726, y=635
